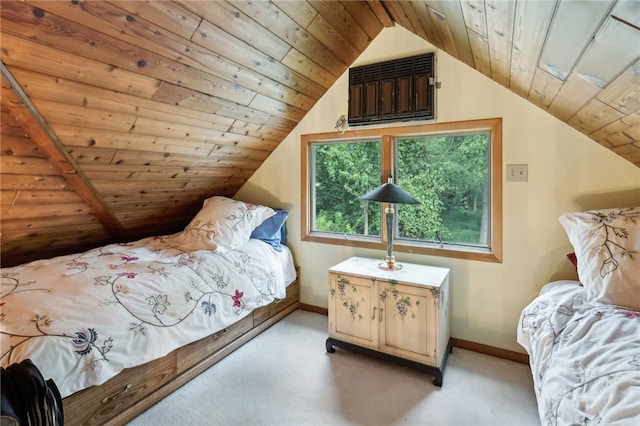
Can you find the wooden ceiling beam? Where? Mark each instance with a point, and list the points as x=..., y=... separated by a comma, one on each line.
x=380, y=10
x=26, y=114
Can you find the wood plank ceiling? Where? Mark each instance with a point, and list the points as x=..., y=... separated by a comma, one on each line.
x=119, y=117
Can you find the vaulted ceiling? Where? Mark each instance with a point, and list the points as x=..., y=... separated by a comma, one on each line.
x=119, y=117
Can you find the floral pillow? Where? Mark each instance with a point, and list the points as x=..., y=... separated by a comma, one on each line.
x=221, y=224
x=607, y=248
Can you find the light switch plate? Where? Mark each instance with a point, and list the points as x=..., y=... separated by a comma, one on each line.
x=517, y=173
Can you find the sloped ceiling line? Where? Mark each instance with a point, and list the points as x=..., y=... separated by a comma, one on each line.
x=28, y=116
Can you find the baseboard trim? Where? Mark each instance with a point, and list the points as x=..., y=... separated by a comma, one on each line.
x=314, y=309
x=491, y=350
x=459, y=343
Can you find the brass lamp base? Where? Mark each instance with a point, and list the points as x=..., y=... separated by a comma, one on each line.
x=390, y=264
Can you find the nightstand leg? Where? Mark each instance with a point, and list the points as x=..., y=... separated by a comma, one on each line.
x=329, y=345
x=437, y=377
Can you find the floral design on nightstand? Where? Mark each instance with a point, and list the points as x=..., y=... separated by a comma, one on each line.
x=435, y=293
x=353, y=308
x=404, y=304
x=347, y=302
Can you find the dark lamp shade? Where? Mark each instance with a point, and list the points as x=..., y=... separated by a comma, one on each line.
x=389, y=193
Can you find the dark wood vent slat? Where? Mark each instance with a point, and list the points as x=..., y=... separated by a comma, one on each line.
x=392, y=91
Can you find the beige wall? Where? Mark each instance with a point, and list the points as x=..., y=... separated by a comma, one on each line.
x=567, y=171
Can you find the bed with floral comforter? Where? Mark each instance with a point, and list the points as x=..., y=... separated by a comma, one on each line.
x=583, y=336
x=584, y=357
x=83, y=318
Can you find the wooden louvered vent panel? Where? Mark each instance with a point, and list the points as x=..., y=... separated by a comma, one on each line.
x=397, y=90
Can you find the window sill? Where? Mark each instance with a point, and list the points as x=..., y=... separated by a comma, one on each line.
x=400, y=246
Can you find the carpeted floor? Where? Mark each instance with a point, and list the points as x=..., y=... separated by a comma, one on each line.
x=285, y=377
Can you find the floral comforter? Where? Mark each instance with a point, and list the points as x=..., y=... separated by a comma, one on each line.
x=83, y=318
x=585, y=358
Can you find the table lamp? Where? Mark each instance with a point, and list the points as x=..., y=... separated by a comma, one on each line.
x=392, y=194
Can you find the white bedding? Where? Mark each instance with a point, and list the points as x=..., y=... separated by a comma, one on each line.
x=85, y=317
x=585, y=357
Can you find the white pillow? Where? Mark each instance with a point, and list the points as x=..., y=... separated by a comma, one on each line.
x=607, y=246
x=221, y=224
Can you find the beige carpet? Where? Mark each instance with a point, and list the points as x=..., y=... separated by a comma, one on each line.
x=285, y=377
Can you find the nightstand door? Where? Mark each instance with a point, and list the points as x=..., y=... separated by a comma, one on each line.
x=352, y=310
x=409, y=323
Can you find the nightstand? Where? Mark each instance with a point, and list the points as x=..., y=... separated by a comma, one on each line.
x=400, y=316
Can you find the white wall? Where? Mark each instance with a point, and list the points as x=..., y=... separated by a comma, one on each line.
x=567, y=172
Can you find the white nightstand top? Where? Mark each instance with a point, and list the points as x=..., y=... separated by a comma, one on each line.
x=430, y=276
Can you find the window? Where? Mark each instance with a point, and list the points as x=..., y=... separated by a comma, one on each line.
x=453, y=169
x=342, y=171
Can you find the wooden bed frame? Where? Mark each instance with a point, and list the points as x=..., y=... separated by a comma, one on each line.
x=135, y=389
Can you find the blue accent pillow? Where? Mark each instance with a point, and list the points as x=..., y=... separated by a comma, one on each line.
x=283, y=233
x=272, y=231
